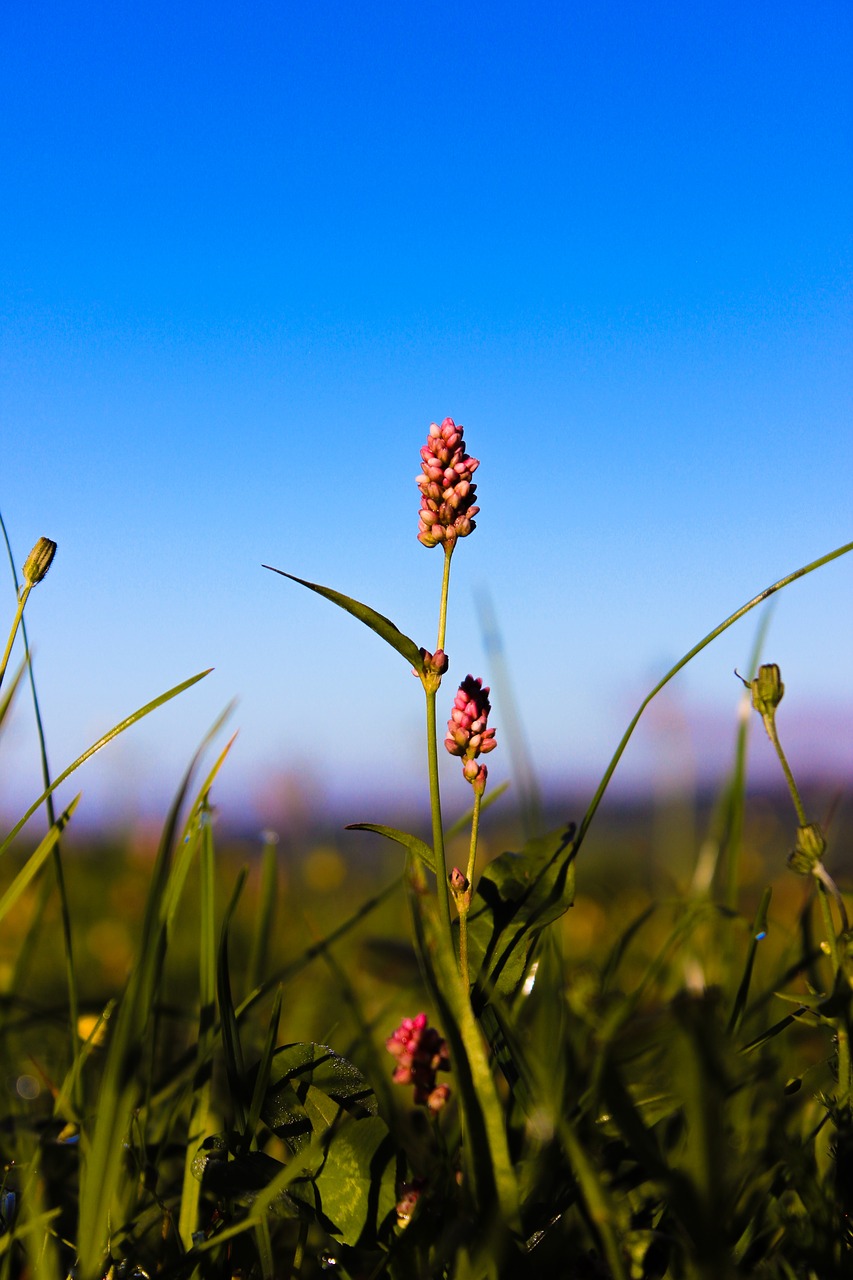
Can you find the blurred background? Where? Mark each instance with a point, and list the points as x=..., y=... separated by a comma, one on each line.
x=250, y=252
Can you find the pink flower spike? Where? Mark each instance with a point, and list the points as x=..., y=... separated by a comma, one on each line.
x=467, y=733
x=447, y=494
x=420, y=1052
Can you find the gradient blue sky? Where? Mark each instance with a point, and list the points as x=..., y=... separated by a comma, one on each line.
x=250, y=252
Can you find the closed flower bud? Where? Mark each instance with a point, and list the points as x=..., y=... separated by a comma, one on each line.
x=468, y=734
x=435, y=665
x=809, y=849
x=38, y=561
x=447, y=494
x=767, y=689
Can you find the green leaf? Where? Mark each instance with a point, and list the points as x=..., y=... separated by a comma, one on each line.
x=414, y=845
x=315, y=1093
x=517, y=896
x=377, y=622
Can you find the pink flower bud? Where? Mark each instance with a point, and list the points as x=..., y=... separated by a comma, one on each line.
x=447, y=494
x=468, y=734
x=420, y=1052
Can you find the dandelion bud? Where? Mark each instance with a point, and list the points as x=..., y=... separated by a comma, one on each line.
x=38, y=561
x=767, y=689
x=447, y=494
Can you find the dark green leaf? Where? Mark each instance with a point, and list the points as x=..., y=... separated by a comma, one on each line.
x=377, y=622
x=412, y=843
x=517, y=896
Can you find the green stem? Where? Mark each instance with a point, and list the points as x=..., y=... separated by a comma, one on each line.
x=445, y=587
x=843, y=1038
x=770, y=726
x=22, y=600
x=437, y=826
x=697, y=648
x=465, y=904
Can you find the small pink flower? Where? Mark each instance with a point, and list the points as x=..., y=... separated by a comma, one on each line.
x=420, y=1052
x=467, y=733
x=447, y=494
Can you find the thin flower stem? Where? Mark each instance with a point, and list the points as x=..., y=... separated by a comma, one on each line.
x=843, y=1039
x=770, y=726
x=445, y=586
x=465, y=905
x=22, y=600
x=437, y=826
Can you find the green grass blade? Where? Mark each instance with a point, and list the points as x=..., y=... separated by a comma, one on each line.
x=101, y=1180
x=759, y=932
x=377, y=622
x=234, y=1065
x=96, y=746
x=200, y=1126
x=688, y=657
x=268, y=899
x=36, y=860
x=262, y=1078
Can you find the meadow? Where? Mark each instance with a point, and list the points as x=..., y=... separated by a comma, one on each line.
x=477, y=1054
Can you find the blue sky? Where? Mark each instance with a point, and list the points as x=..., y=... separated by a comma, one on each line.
x=249, y=255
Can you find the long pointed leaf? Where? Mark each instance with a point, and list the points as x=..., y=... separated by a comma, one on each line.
x=414, y=844
x=377, y=622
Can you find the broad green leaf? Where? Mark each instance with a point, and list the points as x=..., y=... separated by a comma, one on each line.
x=517, y=896
x=377, y=622
x=414, y=845
x=315, y=1093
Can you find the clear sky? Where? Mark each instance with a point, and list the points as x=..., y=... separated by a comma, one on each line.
x=251, y=251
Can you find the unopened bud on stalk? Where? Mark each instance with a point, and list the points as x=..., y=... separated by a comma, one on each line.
x=435, y=665
x=767, y=689
x=809, y=849
x=38, y=561
x=458, y=881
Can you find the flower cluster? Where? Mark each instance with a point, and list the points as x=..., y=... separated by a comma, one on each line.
x=467, y=735
x=420, y=1052
x=447, y=494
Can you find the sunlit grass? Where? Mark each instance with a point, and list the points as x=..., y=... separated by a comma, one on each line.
x=649, y=1063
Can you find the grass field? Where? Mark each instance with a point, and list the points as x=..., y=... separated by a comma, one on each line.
x=496, y=1048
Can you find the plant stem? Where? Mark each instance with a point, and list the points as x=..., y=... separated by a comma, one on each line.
x=445, y=586
x=437, y=827
x=843, y=1038
x=465, y=904
x=770, y=726
x=22, y=600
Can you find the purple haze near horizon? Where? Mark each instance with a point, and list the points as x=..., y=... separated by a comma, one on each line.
x=247, y=260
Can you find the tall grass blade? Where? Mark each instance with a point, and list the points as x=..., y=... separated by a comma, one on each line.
x=234, y=1065
x=688, y=657
x=96, y=746
x=36, y=860
x=101, y=1185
